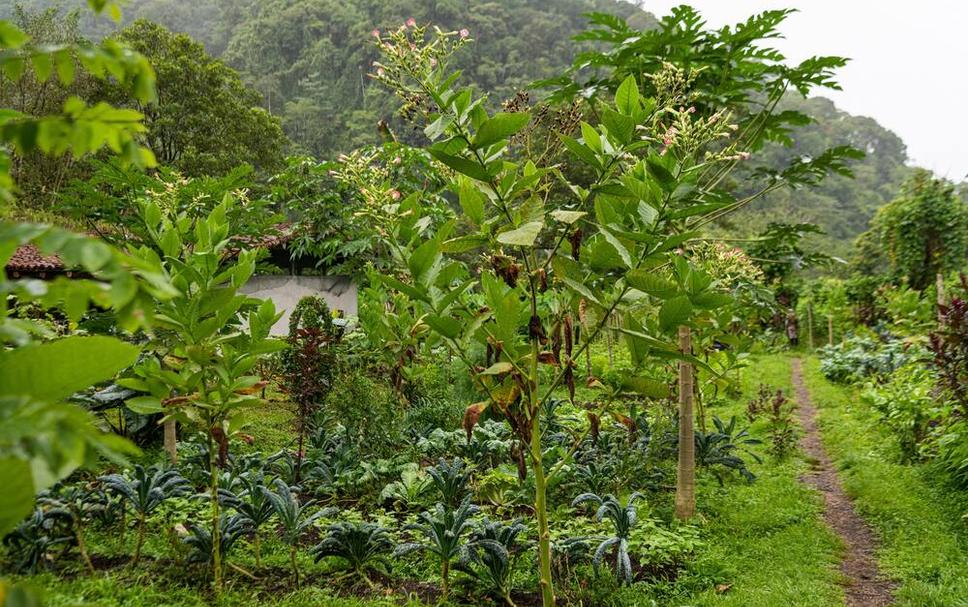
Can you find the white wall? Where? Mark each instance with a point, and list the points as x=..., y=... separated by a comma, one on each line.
x=286, y=291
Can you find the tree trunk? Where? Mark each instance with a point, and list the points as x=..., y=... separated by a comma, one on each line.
x=686, y=473
x=830, y=330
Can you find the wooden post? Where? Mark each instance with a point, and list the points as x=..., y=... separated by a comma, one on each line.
x=939, y=285
x=170, y=438
x=686, y=473
x=810, y=325
x=830, y=330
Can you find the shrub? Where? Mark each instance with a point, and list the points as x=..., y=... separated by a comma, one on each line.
x=908, y=406
x=861, y=357
x=309, y=362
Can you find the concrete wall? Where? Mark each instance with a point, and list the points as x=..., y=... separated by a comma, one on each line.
x=286, y=291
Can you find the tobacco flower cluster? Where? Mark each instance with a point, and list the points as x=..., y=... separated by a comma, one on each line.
x=414, y=53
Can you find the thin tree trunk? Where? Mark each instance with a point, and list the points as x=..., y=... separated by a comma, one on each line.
x=546, y=582
x=82, y=545
x=810, y=325
x=444, y=575
x=939, y=285
x=216, y=527
x=140, y=541
x=686, y=473
x=830, y=330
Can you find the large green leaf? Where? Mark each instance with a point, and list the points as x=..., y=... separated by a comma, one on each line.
x=581, y=289
x=471, y=201
x=462, y=165
x=627, y=96
x=674, y=312
x=17, y=497
x=54, y=370
x=423, y=261
x=646, y=387
x=651, y=283
x=523, y=236
x=445, y=325
x=568, y=217
x=500, y=126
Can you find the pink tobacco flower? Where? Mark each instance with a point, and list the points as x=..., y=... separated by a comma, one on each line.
x=411, y=22
x=395, y=194
x=464, y=33
x=375, y=33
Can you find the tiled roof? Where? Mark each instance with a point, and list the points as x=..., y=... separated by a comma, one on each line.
x=27, y=259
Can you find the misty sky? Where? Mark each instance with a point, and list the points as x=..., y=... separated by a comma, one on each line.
x=907, y=66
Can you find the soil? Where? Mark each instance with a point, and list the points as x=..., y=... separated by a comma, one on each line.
x=864, y=587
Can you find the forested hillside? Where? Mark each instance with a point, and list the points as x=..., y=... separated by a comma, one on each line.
x=307, y=62
x=842, y=206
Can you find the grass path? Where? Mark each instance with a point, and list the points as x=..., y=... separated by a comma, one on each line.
x=864, y=586
x=919, y=521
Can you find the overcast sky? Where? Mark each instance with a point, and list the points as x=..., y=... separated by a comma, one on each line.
x=907, y=67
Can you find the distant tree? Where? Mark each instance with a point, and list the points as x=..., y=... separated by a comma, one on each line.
x=205, y=121
x=38, y=175
x=924, y=231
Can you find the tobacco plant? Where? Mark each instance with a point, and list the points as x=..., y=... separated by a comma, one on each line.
x=537, y=263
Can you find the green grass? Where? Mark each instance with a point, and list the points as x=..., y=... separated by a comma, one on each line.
x=766, y=540
x=924, y=537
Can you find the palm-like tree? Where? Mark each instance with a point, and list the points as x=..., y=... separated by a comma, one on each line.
x=489, y=555
x=80, y=505
x=443, y=531
x=623, y=518
x=451, y=480
x=294, y=517
x=144, y=491
x=364, y=547
x=252, y=504
x=231, y=528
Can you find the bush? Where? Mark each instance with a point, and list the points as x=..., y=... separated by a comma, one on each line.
x=367, y=409
x=859, y=357
x=908, y=406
